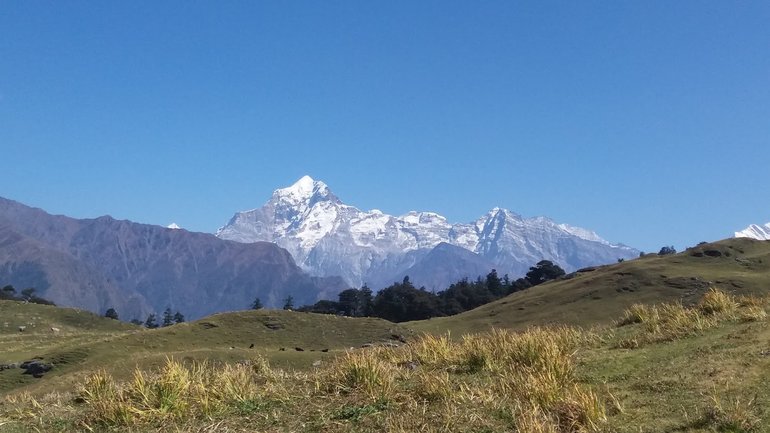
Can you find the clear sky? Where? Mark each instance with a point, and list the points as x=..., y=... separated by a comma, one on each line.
x=646, y=121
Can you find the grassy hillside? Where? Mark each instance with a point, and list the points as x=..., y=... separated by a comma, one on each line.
x=598, y=296
x=76, y=329
x=698, y=364
x=665, y=368
x=86, y=342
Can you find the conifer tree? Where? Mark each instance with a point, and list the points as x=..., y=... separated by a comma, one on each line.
x=151, y=322
x=111, y=313
x=178, y=317
x=168, y=318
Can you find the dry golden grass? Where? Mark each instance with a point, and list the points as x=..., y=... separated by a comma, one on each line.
x=717, y=302
x=527, y=382
x=501, y=381
x=666, y=322
x=177, y=392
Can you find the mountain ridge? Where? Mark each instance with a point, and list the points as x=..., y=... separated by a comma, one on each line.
x=755, y=231
x=154, y=267
x=328, y=237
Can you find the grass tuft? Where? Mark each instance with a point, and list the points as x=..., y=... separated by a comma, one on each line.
x=502, y=380
x=717, y=302
x=668, y=322
x=731, y=415
x=176, y=391
x=637, y=313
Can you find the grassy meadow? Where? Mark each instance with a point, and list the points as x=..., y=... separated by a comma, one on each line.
x=597, y=296
x=681, y=344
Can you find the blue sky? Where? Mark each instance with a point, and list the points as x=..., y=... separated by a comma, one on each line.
x=646, y=121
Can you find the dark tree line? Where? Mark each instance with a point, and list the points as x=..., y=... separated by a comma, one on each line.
x=26, y=295
x=151, y=322
x=403, y=301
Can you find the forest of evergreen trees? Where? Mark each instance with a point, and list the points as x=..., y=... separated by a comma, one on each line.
x=401, y=302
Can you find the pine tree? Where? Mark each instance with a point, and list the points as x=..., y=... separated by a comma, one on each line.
x=168, y=318
x=178, y=317
x=494, y=284
x=288, y=303
x=348, y=302
x=151, y=322
x=366, y=301
x=256, y=305
x=111, y=313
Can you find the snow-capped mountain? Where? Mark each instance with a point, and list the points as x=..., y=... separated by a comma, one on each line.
x=327, y=237
x=754, y=231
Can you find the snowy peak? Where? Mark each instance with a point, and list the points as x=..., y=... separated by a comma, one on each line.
x=305, y=190
x=755, y=231
x=173, y=226
x=327, y=238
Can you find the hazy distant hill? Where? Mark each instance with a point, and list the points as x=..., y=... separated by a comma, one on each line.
x=135, y=268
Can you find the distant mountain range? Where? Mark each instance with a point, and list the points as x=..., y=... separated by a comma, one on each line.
x=137, y=268
x=327, y=237
x=755, y=231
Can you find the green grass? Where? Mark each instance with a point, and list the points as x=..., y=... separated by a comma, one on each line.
x=554, y=379
x=685, y=359
x=600, y=296
x=87, y=342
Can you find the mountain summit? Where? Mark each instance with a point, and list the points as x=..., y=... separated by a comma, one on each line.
x=755, y=231
x=327, y=237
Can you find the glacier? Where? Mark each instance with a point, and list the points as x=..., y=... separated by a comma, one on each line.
x=327, y=237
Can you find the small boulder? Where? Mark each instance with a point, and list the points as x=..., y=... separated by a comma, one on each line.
x=8, y=366
x=36, y=368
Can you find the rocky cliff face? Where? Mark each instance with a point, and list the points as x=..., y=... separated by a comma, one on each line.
x=137, y=268
x=327, y=237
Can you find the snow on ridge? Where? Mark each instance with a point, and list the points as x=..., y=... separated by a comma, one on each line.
x=302, y=190
x=173, y=226
x=582, y=233
x=755, y=231
x=327, y=237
